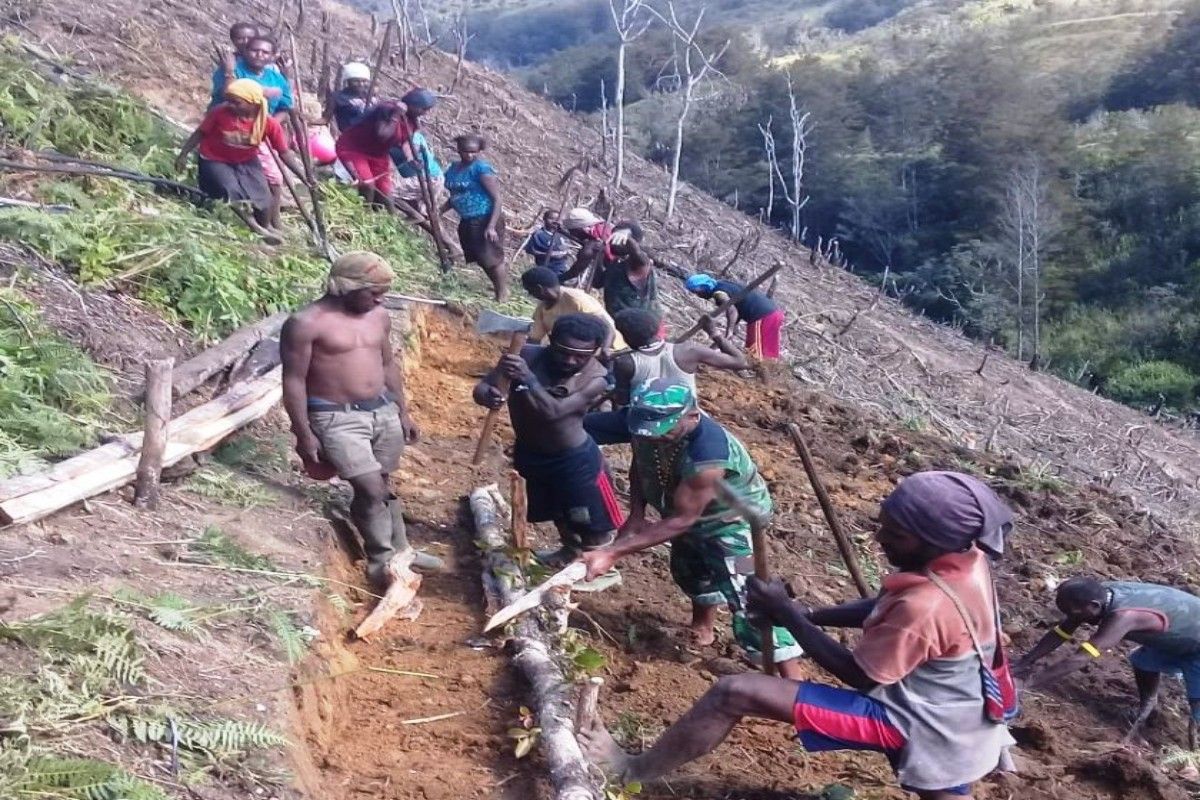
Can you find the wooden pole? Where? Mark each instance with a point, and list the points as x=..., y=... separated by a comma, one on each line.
x=839, y=534
x=762, y=570
x=300, y=125
x=432, y=212
x=489, y=422
x=379, y=57
x=154, y=438
x=750, y=287
x=586, y=708
x=520, y=510
x=291, y=187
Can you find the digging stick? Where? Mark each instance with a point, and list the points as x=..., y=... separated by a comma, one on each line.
x=383, y=49
x=287, y=181
x=431, y=209
x=489, y=422
x=737, y=298
x=154, y=439
x=300, y=125
x=835, y=525
x=758, y=541
x=520, y=509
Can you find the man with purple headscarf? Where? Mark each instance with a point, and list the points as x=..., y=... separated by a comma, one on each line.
x=916, y=693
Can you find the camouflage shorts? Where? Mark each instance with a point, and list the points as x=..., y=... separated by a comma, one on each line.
x=712, y=570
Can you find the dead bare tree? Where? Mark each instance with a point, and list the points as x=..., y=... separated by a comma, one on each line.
x=772, y=165
x=1028, y=224
x=603, y=123
x=796, y=197
x=629, y=23
x=461, y=40
x=693, y=67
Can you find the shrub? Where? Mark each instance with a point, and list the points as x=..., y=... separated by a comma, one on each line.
x=1147, y=382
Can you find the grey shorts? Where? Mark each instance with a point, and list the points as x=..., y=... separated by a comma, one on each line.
x=357, y=443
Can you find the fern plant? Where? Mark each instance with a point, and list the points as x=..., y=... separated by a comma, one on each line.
x=216, y=547
x=291, y=638
x=84, y=637
x=168, y=610
x=46, y=776
x=214, y=738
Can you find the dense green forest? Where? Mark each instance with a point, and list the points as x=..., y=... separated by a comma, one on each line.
x=1029, y=171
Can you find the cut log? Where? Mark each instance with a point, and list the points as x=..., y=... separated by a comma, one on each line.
x=399, y=596
x=520, y=511
x=154, y=434
x=534, y=655
x=195, y=371
x=199, y=429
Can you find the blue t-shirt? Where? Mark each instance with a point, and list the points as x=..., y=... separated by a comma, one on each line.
x=465, y=185
x=751, y=308
x=276, y=87
x=541, y=244
x=420, y=146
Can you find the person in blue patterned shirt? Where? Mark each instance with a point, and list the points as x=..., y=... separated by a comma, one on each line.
x=474, y=189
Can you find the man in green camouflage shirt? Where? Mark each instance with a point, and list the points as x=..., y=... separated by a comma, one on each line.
x=679, y=457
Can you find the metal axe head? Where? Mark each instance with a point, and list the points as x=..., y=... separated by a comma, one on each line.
x=491, y=322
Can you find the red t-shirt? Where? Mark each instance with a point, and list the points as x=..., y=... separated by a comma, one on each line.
x=225, y=137
x=363, y=137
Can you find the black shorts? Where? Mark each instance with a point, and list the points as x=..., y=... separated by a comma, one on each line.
x=573, y=487
x=608, y=427
x=472, y=236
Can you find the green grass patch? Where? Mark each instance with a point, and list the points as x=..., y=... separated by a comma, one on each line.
x=52, y=397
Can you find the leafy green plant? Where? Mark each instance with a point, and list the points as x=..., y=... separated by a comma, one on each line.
x=525, y=734
x=215, y=738
x=291, y=638
x=53, y=398
x=1041, y=477
x=216, y=547
x=220, y=483
x=48, y=776
x=89, y=640
x=1147, y=382
x=168, y=610
x=582, y=660
x=622, y=791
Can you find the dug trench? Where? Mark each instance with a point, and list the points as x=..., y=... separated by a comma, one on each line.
x=436, y=723
x=424, y=710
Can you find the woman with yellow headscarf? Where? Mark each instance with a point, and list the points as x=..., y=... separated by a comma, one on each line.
x=228, y=139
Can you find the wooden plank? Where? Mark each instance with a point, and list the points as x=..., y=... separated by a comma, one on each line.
x=200, y=429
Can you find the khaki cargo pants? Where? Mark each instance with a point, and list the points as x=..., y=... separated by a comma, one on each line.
x=358, y=443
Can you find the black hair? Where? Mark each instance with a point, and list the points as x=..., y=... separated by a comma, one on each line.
x=580, y=327
x=639, y=326
x=548, y=212
x=263, y=38
x=478, y=139
x=1080, y=591
x=237, y=26
x=536, y=277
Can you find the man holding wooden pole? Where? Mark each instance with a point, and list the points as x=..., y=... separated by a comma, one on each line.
x=344, y=394
x=548, y=389
x=917, y=692
x=680, y=457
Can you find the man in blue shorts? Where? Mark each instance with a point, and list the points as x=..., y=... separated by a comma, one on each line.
x=916, y=693
x=1165, y=621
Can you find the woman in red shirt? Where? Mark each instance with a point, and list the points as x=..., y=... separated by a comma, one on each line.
x=364, y=149
x=228, y=139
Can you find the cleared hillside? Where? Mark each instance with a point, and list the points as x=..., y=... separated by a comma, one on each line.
x=844, y=338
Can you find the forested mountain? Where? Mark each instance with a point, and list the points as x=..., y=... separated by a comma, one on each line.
x=1028, y=170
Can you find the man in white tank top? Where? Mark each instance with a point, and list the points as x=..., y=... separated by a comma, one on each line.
x=653, y=357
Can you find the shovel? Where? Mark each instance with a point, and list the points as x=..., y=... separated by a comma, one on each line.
x=490, y=322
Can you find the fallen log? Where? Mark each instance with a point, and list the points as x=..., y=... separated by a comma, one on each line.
x=533, y=654
x=199, y=429
x=398, y=596
x=195, y=371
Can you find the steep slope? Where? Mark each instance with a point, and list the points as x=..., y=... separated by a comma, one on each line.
x=844, y=338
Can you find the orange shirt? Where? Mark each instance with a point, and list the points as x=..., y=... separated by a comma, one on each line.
x=915, y=621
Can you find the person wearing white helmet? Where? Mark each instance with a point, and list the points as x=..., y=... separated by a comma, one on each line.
x=350, y=101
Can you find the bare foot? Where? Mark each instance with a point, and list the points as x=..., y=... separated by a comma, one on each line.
x=703, y=635
x=602, y=750
x=703, y=627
